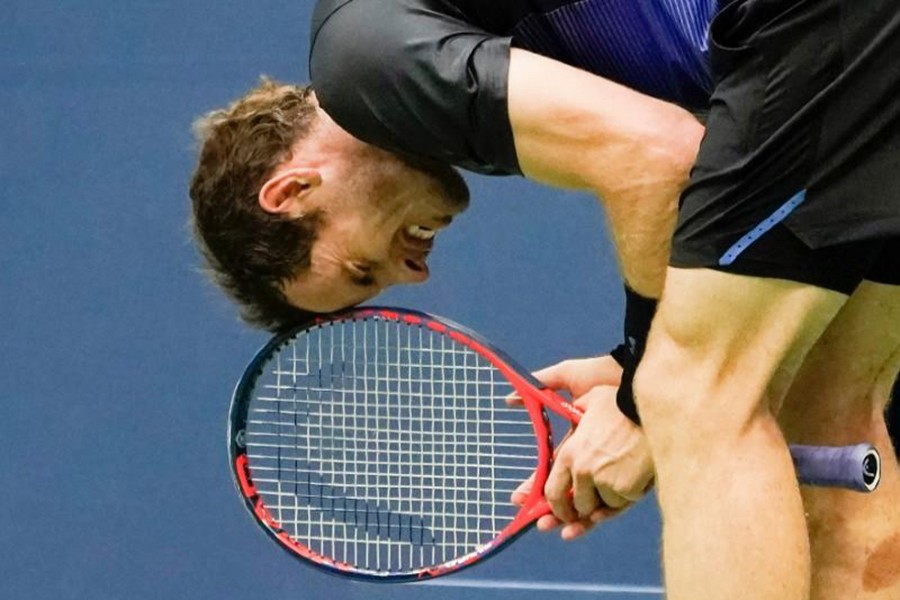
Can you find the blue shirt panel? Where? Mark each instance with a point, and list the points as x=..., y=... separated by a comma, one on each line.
x=658, y=47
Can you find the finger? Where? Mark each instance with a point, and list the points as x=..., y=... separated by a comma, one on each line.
x=520, y=494
x=639, y=489
x=513, y=399
x=578, y=376
x=573, y=531
x=585, y=499
x=575, y=376
x=597, y=393
x=612, y=499
x=548, y=523
x=609, y=372
x=555, y=377
x=556, y=490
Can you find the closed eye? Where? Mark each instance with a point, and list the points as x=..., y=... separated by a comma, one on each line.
x=361, y=274
x=363, y=280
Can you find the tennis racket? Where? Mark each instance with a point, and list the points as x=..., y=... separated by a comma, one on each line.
x=377, y=444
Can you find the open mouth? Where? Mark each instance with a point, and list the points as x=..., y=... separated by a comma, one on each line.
x=418, y=238
x=417, y=241
x=418, y=266
x=421, y=232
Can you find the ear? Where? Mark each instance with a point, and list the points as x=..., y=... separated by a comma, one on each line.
x=287, y=192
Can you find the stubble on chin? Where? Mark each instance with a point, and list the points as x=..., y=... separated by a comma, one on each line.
x=451, y=185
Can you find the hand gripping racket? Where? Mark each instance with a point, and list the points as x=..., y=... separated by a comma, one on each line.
x=377, y=444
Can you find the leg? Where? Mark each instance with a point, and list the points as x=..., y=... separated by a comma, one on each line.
x=839, y=397
x=733, y=523
x=795, y=157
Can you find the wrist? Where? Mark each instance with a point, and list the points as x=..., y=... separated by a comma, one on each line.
x=639, y=312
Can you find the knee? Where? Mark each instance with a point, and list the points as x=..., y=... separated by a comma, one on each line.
x=665, y=401
x=657, y=402
x=690, y=399
x=714, y=371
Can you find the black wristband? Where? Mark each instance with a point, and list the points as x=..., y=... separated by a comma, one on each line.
x=639, y=313
x=625, y=394
x=620, y=354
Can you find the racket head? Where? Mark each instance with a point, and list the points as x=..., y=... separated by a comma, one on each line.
x=308, y=455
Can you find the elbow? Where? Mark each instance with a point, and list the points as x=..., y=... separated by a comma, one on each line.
x=653, y=160
x=676, y=144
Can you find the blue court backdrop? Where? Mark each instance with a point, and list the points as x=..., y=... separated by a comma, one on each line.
x=117, y=358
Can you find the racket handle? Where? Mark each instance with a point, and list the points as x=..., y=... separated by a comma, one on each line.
x=856, y=468
x=852, y=467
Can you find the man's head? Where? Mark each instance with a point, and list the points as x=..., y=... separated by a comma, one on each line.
x=294, y=216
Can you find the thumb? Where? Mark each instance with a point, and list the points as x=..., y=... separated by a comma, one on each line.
x=521, y=492
x=578, y=376
x=556, y=377
x=600, y=393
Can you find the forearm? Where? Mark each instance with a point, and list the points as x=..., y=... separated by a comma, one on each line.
x=641, y=222
x=634, y=152
x=639, y=182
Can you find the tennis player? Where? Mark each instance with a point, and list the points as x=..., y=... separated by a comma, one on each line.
x=785, y=253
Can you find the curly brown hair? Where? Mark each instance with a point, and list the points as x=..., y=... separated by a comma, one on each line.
x=249, y=252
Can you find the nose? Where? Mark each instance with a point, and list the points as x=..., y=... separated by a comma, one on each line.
x=411, y=270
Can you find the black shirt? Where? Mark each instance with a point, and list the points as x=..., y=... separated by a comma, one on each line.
x=429, y=77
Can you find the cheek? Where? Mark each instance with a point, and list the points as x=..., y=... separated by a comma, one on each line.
x=366, y=207
x=367, y=232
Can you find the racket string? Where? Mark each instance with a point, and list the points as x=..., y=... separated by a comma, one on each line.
x=387, y=445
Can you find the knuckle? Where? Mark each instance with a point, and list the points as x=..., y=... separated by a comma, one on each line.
x=565, y=458
x=553, y=494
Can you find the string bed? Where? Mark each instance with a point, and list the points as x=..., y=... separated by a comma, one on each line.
x=386, y=445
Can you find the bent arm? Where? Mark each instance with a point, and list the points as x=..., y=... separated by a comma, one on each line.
x=441, y=87
x=576, y=130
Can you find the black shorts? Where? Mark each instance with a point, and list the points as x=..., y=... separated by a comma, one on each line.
x=840, y=267
x=798, y=176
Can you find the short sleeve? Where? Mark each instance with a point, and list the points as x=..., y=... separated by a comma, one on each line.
x=412, y=76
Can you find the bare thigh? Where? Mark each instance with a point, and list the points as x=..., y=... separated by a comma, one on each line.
x=838, y=397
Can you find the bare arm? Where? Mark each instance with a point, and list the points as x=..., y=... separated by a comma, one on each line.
x=576, y=130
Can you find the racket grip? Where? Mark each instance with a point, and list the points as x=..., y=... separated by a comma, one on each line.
x=855, y=468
